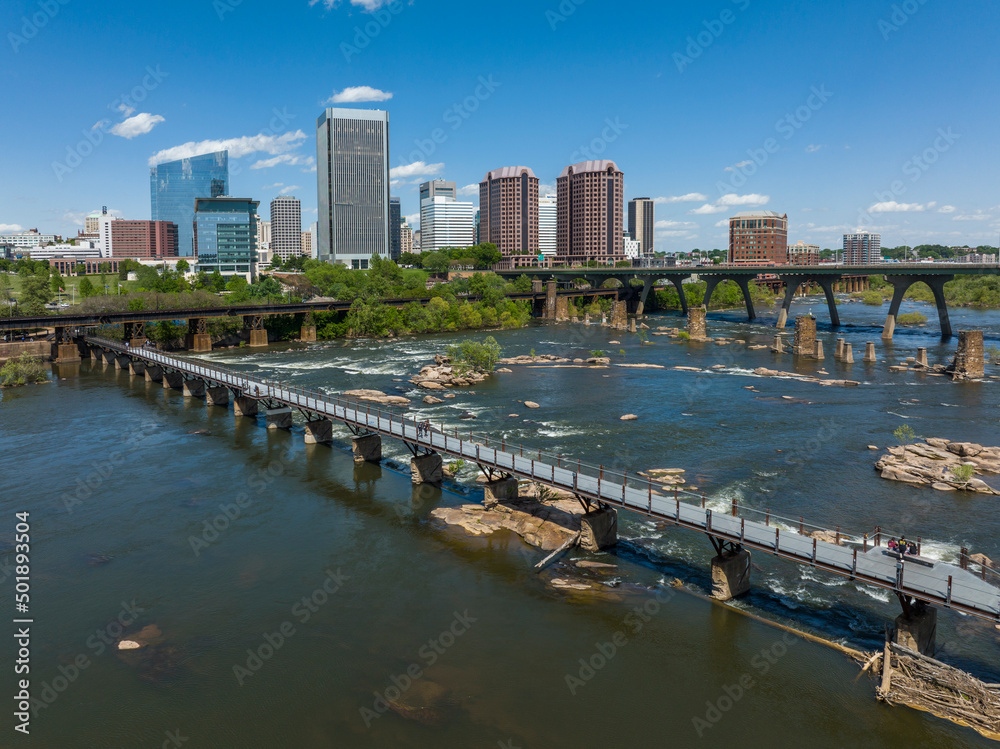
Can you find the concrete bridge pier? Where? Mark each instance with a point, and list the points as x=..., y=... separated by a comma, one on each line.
x=550, y=300
x=121, y=362
x=244, y=406
x=497, y=491
x=678, y=283
x=901, y=284
x=792, y=284
x=826, y=283
x=743, y=281
x=697, y=328
x=427, y=469
x=599, y=529
x=136, y=368
x=916, y=628
x=217, y=396
x=870, y=356
x=319, y=432
x=172, y=380
x=63, y=351
x=197, y=338
x=730, y=574
x=367, y=448
x=194, y=388
x=640, y=307
x=279, y=418
x=153, y=373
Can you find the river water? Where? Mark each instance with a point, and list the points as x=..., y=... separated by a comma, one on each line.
x=124, y=480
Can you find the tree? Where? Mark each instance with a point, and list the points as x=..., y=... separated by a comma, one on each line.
x=183, y=266
x=80, y=269
x=436, y=262
x=409, y=258
x=87, y=288
x=6, y=287
x=905, y=435
x=56, y=281
x=475, y=355
x=35, y=294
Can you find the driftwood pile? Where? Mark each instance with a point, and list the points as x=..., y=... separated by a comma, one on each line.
x=917, y=681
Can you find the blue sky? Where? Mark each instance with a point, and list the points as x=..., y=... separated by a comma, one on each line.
x=877, y=115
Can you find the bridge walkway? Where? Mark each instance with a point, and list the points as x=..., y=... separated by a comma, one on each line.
x=941, y=583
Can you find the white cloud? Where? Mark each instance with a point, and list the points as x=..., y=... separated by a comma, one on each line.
x=275, y=186
x=893, y=207
x=724, y=224
x=469, y=190
x=947, y=209
x=707, y=209
x=812, y=149
x=416, y=169
x=691, y=197
x=141, y=124
x=738, y=165
x=753, y=199
x=412, y=218
x=237, y=147
x=368, y=5
x=676, y=225
x=126, y=110
x=358, y=94
x=677, y=233
x=292, y=159
x=289, y=189
x=973, y=217
x=544, y=190
x=11, y=227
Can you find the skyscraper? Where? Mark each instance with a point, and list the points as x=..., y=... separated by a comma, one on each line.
x=438, y=187
x=175, y=185
x=758, y=237
x=548, y=217
x=641, y=223
x=394, y=221
x=352, y=159
x=590, y=204
x=445, y=222
x=225, y=235
x=508, y=206
x=862, y=248
x=406, y=238
x=286, y=227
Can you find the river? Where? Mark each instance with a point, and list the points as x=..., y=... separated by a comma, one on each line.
x=331, y=576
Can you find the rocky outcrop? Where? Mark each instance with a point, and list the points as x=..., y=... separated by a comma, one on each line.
x=441, y=376
x=531, y=404
x=377, y=396
x=543, y=359
x=542, y=522
x=629, y=417
x=934, y=463
x=764, y=372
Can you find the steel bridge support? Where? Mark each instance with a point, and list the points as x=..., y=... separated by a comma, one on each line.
x=254, y=324
x=197, y=338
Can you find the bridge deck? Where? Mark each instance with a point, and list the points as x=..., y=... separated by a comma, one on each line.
x=942, y=584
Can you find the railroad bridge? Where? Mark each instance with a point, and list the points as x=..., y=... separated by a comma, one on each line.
x=828, y=276
x=919, y=584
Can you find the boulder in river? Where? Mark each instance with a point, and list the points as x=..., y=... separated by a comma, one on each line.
x=531, y=404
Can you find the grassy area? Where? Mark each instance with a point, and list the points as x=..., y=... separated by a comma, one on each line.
x=71, y=285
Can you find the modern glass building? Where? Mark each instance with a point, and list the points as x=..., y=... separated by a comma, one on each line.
x=352, y=173
x=395, y=221
x=175, y=185
x=225, y=236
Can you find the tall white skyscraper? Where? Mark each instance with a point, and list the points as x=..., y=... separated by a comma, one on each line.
x=547, y=218
x=286, y=227
x=446, y=222
x=352, y=174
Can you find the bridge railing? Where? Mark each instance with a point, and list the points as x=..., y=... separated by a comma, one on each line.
x=546, y=462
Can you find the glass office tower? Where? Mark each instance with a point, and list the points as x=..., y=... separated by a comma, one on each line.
x=175, y=185
x=225, y=236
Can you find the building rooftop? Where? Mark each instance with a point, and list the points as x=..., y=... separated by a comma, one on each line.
x=590, y=166
x=760, y=214
x=508, y=171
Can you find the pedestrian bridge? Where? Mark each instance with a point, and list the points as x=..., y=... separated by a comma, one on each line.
x=861, y=557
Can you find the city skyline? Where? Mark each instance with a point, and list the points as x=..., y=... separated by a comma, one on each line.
x=913, y=172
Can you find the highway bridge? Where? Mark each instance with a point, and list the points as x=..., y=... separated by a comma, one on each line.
x=901, y=275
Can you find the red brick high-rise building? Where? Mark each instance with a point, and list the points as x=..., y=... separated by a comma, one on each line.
x=508, y=211
x=143, y=239
x=590, y=206
x=758, y=238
